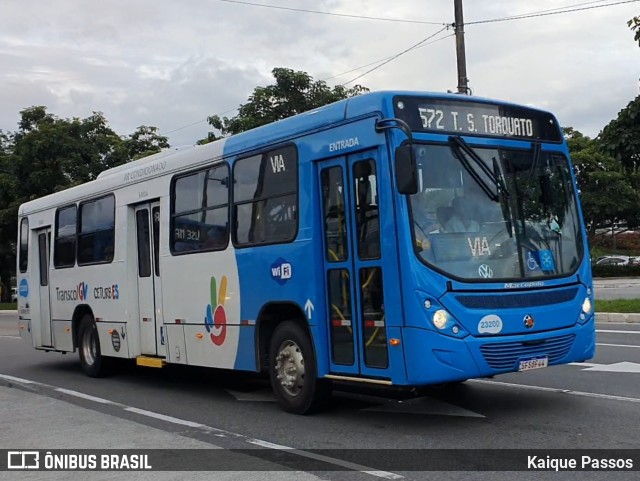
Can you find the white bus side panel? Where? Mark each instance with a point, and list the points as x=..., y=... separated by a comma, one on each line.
x=114, y=340
x=106, y=289
x=175, y=343
x=62, y=336
x=202, y=292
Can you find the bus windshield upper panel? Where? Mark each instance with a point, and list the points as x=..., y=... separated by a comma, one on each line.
x=495, y=213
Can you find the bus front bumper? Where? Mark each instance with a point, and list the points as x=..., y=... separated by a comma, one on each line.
x=433, y=358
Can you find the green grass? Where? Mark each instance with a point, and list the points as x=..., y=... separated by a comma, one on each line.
x=8, y=306
x=618, y=305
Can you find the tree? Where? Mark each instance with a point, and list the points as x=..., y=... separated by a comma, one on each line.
x=145, y=141
x=293, y=93
x=48, y=154
x=52, y=154
x=634, y=24
x=621, y=137
x=7, y=223
x=608, y=193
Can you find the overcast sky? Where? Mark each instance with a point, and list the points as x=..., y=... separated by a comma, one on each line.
x=171, y=64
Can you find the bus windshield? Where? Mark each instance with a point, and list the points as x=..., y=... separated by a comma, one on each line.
x=487, y=213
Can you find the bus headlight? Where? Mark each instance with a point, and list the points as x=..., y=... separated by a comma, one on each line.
x=440, y=318
x=587, y=306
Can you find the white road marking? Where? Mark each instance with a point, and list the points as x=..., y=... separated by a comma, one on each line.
x=164, y=417
x=17, y=379
x=616, y=345
x=212, y=430
x=559, y=391
x=11, y=337
x=84, y=396
x=624, y=366
x=326, y=459
x=267, y=444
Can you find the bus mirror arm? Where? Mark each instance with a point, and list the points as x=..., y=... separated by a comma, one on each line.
x=405, y=158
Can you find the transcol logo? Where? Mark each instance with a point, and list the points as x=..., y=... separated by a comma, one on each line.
x=216, y=318
x=83, y=290
x=80, y=293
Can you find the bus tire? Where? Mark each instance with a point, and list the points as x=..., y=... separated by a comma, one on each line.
x=91, y=360
x=293, y=371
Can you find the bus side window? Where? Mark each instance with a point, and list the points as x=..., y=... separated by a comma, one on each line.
x=200, y=211
x=365, y=190
x=64, y=249
x=24, y=245
x=335, y=226
x=265, y=195
x=96, y=232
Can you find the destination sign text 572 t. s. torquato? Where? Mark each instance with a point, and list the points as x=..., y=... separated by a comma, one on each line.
x=476, y=118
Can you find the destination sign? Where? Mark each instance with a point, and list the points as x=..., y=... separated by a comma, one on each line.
x=476, y=118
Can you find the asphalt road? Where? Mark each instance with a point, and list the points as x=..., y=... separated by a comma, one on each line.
x=617, y=288
x=592, y=405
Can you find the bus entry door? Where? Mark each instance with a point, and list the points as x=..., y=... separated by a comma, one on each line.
x=353, y=266
x=152, y=337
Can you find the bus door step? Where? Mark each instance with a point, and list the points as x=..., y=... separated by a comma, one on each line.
x=148, y=361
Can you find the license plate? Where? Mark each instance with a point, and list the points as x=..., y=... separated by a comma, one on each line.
x=533, y=363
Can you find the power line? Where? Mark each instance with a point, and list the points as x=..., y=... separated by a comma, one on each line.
x=545, y=13
x=318, y=12
x=391, y=57
x=196, y=123
x=384, y=61
x=541, y=13
x=397, y=55
x=323, y=80
x=568, y=6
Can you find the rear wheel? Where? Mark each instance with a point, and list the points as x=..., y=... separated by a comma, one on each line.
x=293, y=371
x=93, y=364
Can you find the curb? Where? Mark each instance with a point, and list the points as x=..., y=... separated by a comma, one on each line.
x=623, y=317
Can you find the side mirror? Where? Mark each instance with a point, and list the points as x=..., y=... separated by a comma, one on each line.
x=406, y=170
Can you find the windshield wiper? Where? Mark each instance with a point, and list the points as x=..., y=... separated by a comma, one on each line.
x=461, y=151
x=535, y=157
x=503, y=193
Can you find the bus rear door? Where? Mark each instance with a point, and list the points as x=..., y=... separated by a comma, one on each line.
x=44, y=241
x=353, y=266
x=149, y=284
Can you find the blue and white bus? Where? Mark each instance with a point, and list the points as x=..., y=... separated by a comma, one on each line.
x=394, y=238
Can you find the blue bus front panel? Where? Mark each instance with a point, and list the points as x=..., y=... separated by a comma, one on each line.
x=433, y=357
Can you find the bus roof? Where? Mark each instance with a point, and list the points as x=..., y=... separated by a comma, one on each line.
x=176, y=159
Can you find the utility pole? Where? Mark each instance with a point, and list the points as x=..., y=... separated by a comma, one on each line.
x=463, y=87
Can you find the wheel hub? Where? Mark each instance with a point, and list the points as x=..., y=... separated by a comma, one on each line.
x=290, y=368
x=89, y=347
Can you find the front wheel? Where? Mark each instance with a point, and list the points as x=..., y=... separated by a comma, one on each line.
x=293, y=371
x=93, y=364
